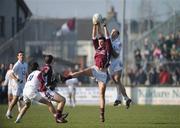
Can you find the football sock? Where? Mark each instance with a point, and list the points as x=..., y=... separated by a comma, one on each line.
x=18, y=117
x=54, y=115
x=8, y=112
x=19, y=106
x=119, y=97
x=58, y=113
x=101, y=110
x=102, y=114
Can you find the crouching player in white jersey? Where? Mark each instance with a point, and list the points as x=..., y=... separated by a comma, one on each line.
x=31, y=93
x=116, y=68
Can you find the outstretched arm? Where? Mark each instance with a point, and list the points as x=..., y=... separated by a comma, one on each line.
x=94, y=31
x=108, y=41
x=94, y=36
x=106, y=32
x=100, y=33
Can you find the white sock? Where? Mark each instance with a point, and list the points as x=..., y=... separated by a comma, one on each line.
x=119, y=97
x=18, y=117
x=126, y=98
x=19, y=106
x=73, y=104
x=8, y=112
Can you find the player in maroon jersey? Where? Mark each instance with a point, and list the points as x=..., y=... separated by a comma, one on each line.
x=47, y=89
x=102, y=55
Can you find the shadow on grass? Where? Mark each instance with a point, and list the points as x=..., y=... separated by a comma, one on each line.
x=165, y=123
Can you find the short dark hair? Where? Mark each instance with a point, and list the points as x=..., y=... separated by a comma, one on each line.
x=102, y=38
x=115, y=31
x=34, y=66
x=118, y=32
x=20, y=51
x=48, y=59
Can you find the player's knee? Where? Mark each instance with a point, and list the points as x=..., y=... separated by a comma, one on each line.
x=64, y=100
x=48, y=103
x=101, y=94
x=60, y=99
x=27, y=105
x=14, y=100
x=20, y=98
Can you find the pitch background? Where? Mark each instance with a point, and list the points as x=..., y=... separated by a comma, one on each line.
x=88, y=117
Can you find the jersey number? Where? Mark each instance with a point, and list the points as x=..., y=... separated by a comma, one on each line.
x=30, y=77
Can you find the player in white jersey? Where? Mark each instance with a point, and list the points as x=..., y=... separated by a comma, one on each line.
x=8, y=82
x=31, y=93
x=72, y=83
x=18, y=75
x=116, y=67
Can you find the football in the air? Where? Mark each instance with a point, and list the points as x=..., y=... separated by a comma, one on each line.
x=97, y=18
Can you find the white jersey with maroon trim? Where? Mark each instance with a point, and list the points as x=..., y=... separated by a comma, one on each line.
x=33, y=81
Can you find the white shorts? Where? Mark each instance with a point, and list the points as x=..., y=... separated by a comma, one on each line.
x=16, y=90
x=29, y=96
x=71, y=90
x=100, y=75
x=48, y=94
x=115, y=66
x=10, y=90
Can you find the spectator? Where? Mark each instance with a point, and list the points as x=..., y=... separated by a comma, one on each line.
x=2, y=73
x=161, y=40
x=157, y=51
x=153, y=76
x=164, y=76
x=177, y=73
x=131, y=75
x=141, y=77
x=166, y=52
x=146, y=55
x=169, y=42
x=3, y=91
x=174, y=53
x=138, y=58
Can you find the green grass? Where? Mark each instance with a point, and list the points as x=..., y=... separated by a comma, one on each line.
x=88, y=117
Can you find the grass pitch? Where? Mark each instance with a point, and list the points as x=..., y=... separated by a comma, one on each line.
x=88, y=117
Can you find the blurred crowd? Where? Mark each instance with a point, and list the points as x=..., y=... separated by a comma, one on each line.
x=158, y=62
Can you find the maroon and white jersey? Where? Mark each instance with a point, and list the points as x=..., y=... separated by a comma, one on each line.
x=47, y=77
x=102, y=54
x=31, y=89
x=42, y=87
